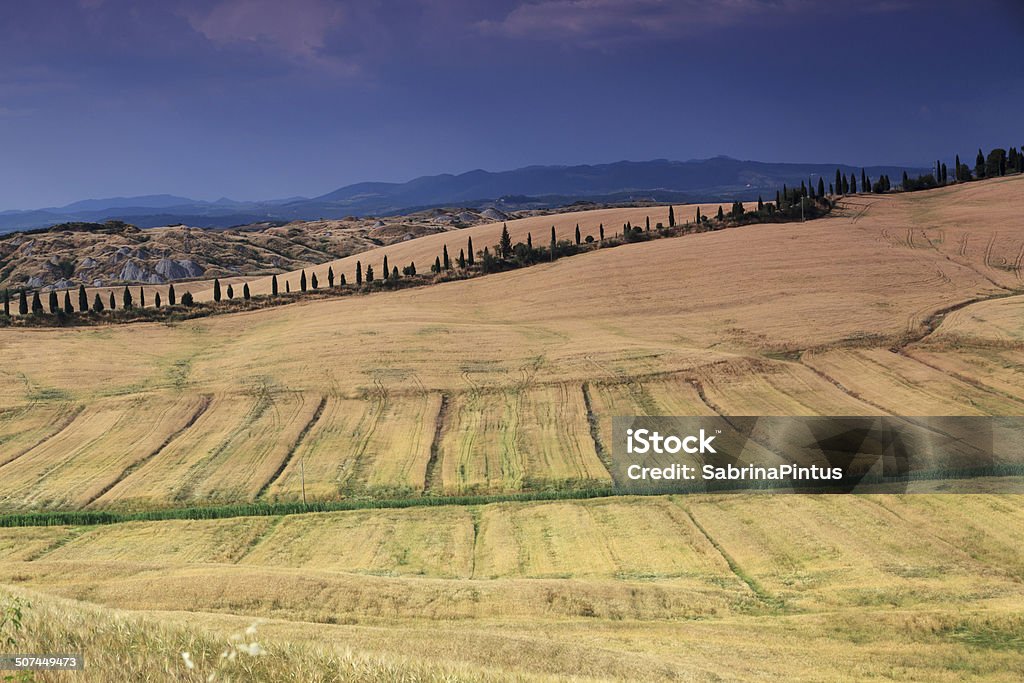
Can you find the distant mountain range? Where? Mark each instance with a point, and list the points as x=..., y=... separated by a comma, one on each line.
x=717, y=179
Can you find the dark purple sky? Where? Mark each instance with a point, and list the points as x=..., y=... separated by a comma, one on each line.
x=264, y=98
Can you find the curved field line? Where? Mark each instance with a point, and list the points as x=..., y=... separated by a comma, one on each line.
x=68, y=419
x=317, y=414
x=203, y=406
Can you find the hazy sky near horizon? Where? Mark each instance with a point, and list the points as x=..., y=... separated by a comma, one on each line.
x=259, y=99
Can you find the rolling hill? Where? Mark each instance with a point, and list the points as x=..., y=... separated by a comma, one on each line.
x=906, y=304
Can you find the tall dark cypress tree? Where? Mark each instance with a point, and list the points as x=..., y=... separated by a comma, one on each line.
x=447, y=262
x=839, y=182
x=979, y=165
x=113, y=302
x=142, y=298
x=601, y=231
x=359, y=274
x=302, y=281
x=313, y=282
x=529, y=241
x=846, y=185
x=83, y=299
x=37, y=304
x=578, y=240
x=369, y=273
x=287, y=287
x=698, y=215
x=821, y=187
x=469, y=251
x=945, y=174
x=462, y=258
x=504, y=244
x=721, y=213
x=68, y=308
x=273, y=285
x=231, y=292
x=906, y=181
x=53, y=302
x=853, y=184
x=437, y=264
x=956, y=169
x=126, y=298
x=245, y=292
x=173, y=301
x=341, y=280
x=671, y=217
x=864, y=180
x=760, y=204
x=22, y=303
x=386, y=269
x=216, y=289
x=97, y=303
x=552, y=246
x=7, y=303
x=156, y=300
x=330, y=276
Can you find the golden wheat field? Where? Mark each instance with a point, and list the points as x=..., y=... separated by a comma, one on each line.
x=904, y=304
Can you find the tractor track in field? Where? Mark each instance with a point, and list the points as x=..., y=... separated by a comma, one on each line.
x=431, y=480
x=204, y=405
x=303, y=433
x=66, y=422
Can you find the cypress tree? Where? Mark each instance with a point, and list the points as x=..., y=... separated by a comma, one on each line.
x=330, y=276
x=216, y=289
x=462, y=258
x=37, y=304
x=600, y=232
x=369, y=273
x=698, y=215
x=803, y=189
x=142, y=298
x=156, y=300
x=7, y=303
x=359, y=274
x=97, y=303
x=552, y=247
x=287, y=287
x=126, y=298
x=671, y=217
x=68, y=308
x=313, y=282
x=113, y=302
x=979, y=165
x=945, y=174
x=231, y=292
x=846, y=185
x=853, y=184
x=342, y=281
x=273, y=286
x=821, y=187
x=721, y=213
x=956, y=169
x=172, y=300
x=760, y=204
x=839, y=181
x=504, y=245
x=447, y=261
x=412, y=267
x=906, y=180
x=864, y=180
x=302, y=281
x=83, y=300
x=394, y=273
x=867, y=183
x=53, y=302
x=386, y=269
x=578, y=231
x=245, y=292
x=469, y=251
x=529, y=241
x=831, y=190
x=436, y=268
x=23, y=303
